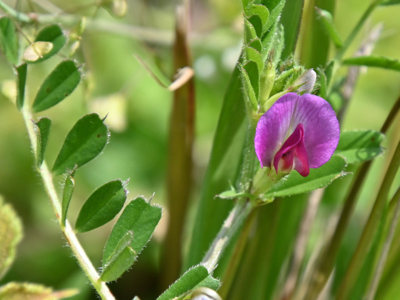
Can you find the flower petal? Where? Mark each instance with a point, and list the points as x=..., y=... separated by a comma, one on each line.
x=321, y=129
x=273, y=128
x=293, y=154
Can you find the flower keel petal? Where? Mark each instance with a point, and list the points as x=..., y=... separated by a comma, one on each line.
x=293, y=154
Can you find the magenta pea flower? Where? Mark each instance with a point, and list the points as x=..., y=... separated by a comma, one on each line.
x=297, y=133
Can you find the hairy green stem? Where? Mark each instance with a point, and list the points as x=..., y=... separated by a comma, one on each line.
x=232, y=224
x=67, y=230
x=242, y=208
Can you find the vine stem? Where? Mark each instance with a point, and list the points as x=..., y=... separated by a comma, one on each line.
x=67, y=230
x=243, y=206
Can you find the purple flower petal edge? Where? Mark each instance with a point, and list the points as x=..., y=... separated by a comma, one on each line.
x=321, y=129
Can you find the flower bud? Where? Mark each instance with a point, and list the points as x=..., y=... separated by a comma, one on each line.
x=306, y=81
x=204, y=293
x=267, y=82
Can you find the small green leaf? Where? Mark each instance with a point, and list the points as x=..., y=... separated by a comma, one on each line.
x=257, y=24
x=210, y=282
x=359, y=146
x=30, y=291
x=139, y=217
x=84, y=142
x=250, y=95
x=10, y=236
x=247, y=5
x=274, y=14
x=54, y=35
x=252, y=71
x=262, y=12
x=21, y=81
x=327, y=22
x=249, y=32
x=283, y=80
x=185, y=283
x=232, y=194
x=42, y=134
x=268, y=41
x=374, y=61
x=120, y=260
x=255, y=56
x=8, y=40
x=323, y=84
x=277, y=44
x=67, y=195
x=122, y=244
x=294, y=183
x=102, y=206
x=121, y=263
x=256, y=44
x=57, y=86
x=329, y=72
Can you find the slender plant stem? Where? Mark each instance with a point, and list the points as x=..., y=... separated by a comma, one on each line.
x=67, y=230
x=361, y=252
x=357, y=29
x=353, y=72
x=339, y=55
x=232, y=224
x=230, y=272
x=385, y=251
x=328, y=257
x=392, y=115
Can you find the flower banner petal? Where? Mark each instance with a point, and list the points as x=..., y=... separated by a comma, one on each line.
x=319, y=133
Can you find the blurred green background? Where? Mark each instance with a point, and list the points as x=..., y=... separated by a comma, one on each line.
x=138, y=108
